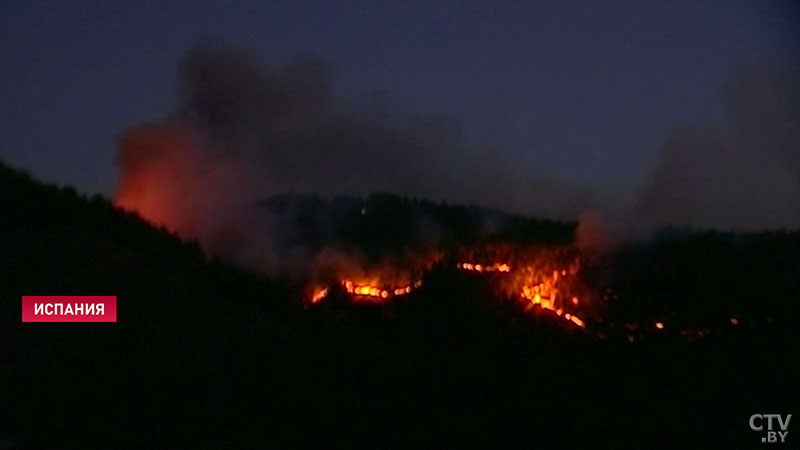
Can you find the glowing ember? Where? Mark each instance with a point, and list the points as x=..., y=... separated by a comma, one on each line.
x=576, y=321
x=377, y=293
x=496, y=267
x=319, y=295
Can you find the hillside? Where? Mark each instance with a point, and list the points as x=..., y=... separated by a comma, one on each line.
x=206, y=355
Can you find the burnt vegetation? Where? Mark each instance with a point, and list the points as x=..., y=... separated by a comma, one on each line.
x=205, y=355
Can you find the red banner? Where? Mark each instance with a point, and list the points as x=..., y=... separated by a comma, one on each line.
x=69, y=308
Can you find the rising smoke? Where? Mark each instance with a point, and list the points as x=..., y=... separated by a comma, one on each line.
x=242, y=132
x=742, y=174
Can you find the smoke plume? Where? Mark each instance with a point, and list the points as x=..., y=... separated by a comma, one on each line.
x=242, y=132
x=742, y=174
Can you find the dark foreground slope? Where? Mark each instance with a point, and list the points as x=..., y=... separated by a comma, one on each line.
x=207, y=356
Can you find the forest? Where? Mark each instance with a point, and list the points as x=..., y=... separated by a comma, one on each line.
x=207, y=354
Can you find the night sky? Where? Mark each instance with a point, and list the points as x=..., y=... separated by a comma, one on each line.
x=584, y=92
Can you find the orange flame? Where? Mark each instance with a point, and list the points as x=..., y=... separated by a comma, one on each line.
x=376, y=293
x=540, y=281
x=319, y=295
x=541, y=277
x=496, y=267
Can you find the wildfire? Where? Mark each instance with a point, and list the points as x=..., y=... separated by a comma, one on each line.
x=157, y=163
x=539, y=277
x=574, y=319
x=319, y=294
x=496, y=267
x=534, y=294
x=377, y=293
x=540, y=282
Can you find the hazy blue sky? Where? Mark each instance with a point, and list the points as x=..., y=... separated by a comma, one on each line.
x=584, y=91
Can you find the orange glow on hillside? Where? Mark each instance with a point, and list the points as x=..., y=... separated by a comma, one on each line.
x=319, y=295
x=152, y=163
x=541, y=278
x=375, y=293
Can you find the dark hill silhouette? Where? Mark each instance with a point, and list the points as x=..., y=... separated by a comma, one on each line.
x=205, y=355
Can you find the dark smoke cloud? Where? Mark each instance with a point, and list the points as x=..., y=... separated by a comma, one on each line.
x=242, y=132
x=743, y=174
x=288, y=121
